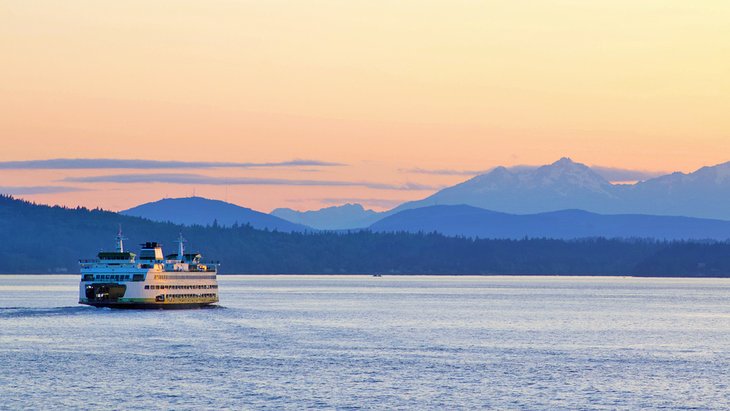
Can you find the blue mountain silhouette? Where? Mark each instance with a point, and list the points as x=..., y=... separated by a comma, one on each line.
x=203, y=211
x=471, y=221
x=347, y=216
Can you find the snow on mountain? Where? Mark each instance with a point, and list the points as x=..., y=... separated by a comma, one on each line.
x=566, y=184
x=561, y=185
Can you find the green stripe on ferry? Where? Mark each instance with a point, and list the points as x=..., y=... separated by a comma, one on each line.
x=136, y=300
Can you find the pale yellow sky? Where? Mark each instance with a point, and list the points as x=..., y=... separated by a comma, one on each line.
x=379, y=85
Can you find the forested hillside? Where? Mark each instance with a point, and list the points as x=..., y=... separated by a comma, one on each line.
x=42, y=239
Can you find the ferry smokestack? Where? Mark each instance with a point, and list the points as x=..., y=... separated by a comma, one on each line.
x=180, y=247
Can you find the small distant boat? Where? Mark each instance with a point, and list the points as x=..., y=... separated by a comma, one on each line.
x=377, y=275
x=116, y=279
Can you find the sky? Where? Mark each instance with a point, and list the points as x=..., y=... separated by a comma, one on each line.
x=319, y=103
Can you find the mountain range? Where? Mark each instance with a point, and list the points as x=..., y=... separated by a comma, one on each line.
x=560, y=200
x=566, y=184
x=562, y=185
x=453, y=220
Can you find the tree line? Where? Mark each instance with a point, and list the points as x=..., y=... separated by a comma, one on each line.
x=42, y=239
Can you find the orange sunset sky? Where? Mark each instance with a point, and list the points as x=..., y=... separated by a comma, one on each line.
x=374, y=93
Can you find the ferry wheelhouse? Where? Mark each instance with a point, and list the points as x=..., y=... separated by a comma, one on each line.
x=119, y=279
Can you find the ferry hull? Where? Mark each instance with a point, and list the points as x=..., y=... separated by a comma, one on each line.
x=148, y=306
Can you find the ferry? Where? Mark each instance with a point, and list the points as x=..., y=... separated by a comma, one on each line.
x=118, y=279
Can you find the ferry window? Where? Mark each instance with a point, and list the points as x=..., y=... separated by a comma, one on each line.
x=146, y=287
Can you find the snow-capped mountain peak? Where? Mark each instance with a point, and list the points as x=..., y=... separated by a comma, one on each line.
x=567, y=174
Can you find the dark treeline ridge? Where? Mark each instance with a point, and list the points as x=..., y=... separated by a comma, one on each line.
x=42, y=239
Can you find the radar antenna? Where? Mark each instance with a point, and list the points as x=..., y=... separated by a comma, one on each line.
x=120, y=240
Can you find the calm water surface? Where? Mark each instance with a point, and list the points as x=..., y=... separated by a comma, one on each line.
x=341, y=342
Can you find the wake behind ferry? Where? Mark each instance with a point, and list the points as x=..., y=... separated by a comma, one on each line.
x=116, y=279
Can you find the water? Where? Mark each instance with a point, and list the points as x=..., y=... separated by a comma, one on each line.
x=340, y=342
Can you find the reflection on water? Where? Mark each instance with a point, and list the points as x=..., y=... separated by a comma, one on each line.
x=361, y=342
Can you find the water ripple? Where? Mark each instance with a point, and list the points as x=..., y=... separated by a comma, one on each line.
x=351, y=343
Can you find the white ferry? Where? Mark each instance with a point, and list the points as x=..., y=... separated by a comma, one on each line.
x=116, y=279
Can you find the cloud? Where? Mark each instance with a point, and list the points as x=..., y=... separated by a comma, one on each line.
x=101, y=163
x=443, y=172
x=207, y=180
x=454, y=172
x=27, y=190
x=622, y=174
x=609, y=173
